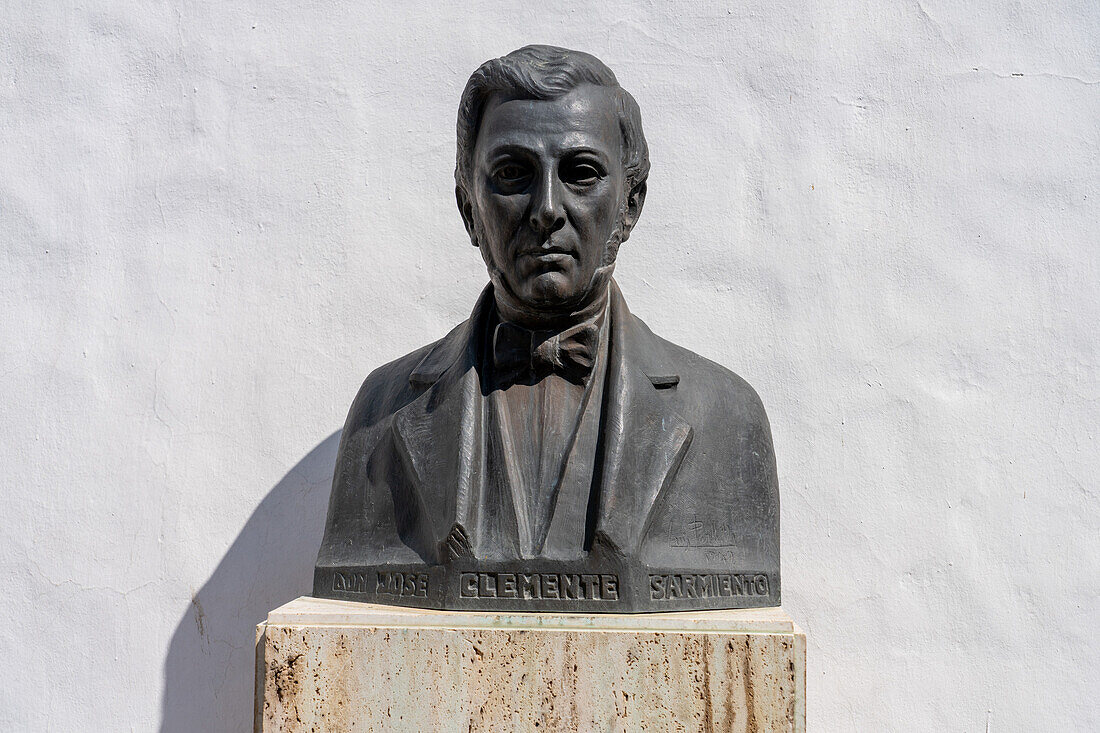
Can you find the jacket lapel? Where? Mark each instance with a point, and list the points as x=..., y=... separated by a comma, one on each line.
x=439, y=438
x=644, y=440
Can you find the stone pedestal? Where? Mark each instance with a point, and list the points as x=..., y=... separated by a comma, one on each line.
x=324, y=665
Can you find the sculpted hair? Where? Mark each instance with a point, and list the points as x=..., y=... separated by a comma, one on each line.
x=547, y=72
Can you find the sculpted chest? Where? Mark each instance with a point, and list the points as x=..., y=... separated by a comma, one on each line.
x=669, y=528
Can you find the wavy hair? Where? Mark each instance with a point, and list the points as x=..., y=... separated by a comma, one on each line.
x=547, y=72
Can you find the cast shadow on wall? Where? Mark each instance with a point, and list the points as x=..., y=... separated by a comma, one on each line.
x=210, y=666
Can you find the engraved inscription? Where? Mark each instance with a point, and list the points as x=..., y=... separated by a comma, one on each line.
x=532, y=586
x=349, y=582
x=403, y=585
x=670, y=586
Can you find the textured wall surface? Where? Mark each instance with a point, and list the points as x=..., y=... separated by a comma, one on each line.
x=217, y=218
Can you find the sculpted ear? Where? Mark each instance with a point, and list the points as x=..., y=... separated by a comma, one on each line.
x=466, y=209
x=634, y=202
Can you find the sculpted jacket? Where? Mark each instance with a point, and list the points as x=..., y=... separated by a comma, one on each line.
x=686, y=504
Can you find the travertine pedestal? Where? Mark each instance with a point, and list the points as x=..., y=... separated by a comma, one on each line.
x=326, y=665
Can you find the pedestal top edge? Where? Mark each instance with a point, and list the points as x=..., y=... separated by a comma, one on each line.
x=310, y=611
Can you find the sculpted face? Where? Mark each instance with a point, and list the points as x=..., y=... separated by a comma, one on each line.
x=547, y=189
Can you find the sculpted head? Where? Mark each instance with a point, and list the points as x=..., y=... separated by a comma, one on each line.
x=551, y=175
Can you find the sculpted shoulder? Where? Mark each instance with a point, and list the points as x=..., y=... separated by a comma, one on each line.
x=390, y=387
x=709, y=390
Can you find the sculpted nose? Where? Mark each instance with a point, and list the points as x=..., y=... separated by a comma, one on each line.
x=547, y=208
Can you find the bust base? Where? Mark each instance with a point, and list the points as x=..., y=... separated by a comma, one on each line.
x=334, y=665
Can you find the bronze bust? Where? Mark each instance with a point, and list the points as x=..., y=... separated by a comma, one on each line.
x=551, y=452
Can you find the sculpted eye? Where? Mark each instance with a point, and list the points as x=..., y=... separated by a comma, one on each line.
x=511, y=175
x=581, y=173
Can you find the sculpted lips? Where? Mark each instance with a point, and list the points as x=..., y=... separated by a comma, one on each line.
x=551, y=257
x=549, y=254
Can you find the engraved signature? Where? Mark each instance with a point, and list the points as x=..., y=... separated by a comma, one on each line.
x=698, y=532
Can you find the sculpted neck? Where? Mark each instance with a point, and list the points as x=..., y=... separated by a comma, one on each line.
x=512, y=310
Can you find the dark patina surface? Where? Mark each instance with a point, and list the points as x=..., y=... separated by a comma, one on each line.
x=551, y=452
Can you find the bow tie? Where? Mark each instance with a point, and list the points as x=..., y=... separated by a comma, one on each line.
x=524, y=356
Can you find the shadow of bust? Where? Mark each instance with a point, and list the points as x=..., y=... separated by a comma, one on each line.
x=209, y=668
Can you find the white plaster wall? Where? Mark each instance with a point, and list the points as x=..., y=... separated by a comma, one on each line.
x=218, y=217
